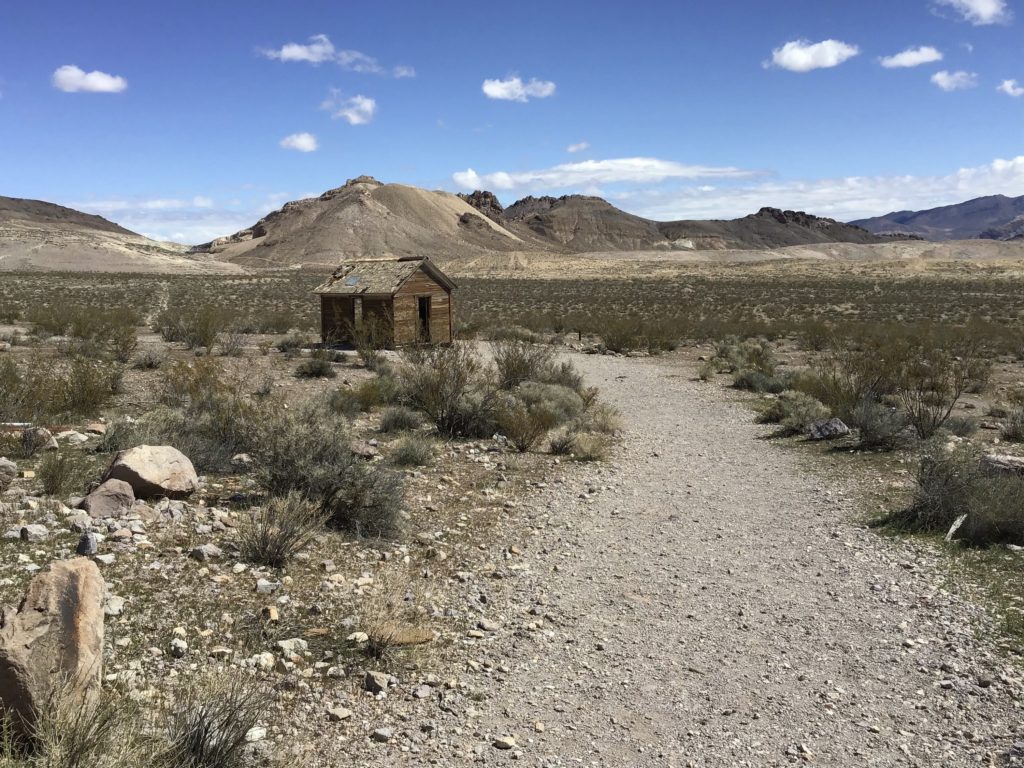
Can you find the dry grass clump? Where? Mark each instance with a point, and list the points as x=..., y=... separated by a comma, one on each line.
x=398, y=418
x=412, y=451
x=1013, y=429
x=523, y=424
x=45, y=388
x=794, y=412
x=318, y=366
x=61, y=473
x=518, y=361
x=277, y=531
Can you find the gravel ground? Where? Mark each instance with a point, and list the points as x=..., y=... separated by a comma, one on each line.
x=707, y=599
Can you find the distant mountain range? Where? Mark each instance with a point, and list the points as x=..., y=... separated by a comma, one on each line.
x=365, y=218
x=995, y=217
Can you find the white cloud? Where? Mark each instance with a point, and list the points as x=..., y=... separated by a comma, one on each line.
x=592, y=172
x=845, y=199
x=301, y=142
x=804, y=56
x=358, y=110
x=980, y=12
x=578, y=147
x=912, y=57
x=72, y=79
x=1011, y=88
x=514, y=89
x=955, y=81
x=318, y=50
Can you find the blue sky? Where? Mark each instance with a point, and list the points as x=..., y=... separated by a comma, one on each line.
x=189, y=120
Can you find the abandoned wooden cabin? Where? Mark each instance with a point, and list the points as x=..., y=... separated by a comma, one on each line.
x=408, y=299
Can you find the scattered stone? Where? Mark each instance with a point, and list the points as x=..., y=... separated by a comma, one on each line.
x=241, y=461
x=155, y=470
x=382, y=735
x=96, y=428
x=292, y=646
x=71, y=437
x=55, y=635
x=257, y=733
x=113, y=606
x=112, y=498
x=337, y=714
x=8, y=471
x=376, y=682
x=178, y=648
x=505, y=742
x=265, y=587
x=88, y=545
x=105, y=559
x=827, y=429
x=206, y=552
x=34, y=532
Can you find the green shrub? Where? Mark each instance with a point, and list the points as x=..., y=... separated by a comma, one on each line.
x=366, y=395
x=562, y=403
x=449, y=384
x=196, y=327
x=995, y=511
x=880, y=426
x=412, y=451
x=279, y=529
x=519, y=361
x=398, y=418
x=316, y=367
x=945, y=480
x=149, y=360
x=794, y=412
x=564, y=374
x=44, y=388
x=756, y=381
x=293, y=344
x=601, y=418
x=961, y=426
x=61, y=473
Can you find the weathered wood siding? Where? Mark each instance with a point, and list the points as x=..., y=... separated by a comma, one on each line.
x=336, y=315
x=407, y=310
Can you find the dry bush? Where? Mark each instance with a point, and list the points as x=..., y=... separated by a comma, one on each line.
x=794, y=412
x=1013, y=429
x=366, y=395
x=293, y=344
x=196, y=327
x=562, y=403
x=945, y=480
x=316, y=367
x=277, y=531
x=451, y=386
x=602, y=419
x=563, y=443
x=206, y=725
x=398, y=418
x=150, y=360
x=995, y=512
x=61, y=473
x=395, y=617
x=412, y=451
x=369, y=336
x=44, y=388
x=524, y=425
x=880, y=425
x=518, y=361
x=590, y=447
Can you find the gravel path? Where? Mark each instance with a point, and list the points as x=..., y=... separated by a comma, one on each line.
x=709, y=600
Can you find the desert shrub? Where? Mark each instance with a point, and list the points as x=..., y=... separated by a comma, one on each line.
x=45, y=388
x=563, y=443
x=279, y=529
x=602, y=419
x=961, y=426
x=232, y=341
x=398, y=418
x=995, y=511
x=525, y=425
x=366, y=395
x=369, y=336
x=589, y=447
x=308, y=450
x=944, y=482
x=316, y=367
x=60, y=473
x=195, y=327
x=449, y=384
x=756, y=381
x=561, y=402
x=412, y=451
x=880, y=425
x=1013, y=429
x=191, y=382
x=734, y=356
x=207, y=725
x=519, y=361
x=794, y=412
x=564, y=374
x=149, y=360
x=293, y=344
x=509, y=333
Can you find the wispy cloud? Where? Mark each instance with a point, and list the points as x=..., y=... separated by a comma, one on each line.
x=1011, y=88
x=804, y=56
x=514, y=89
x=319, y=49
x=845, y=198
x=72, y=79
x=955, y=81
x=980, y=12
x=588, y=173
x=301, y=142
x=357, y=110
x=912, y=57
x=580, y=146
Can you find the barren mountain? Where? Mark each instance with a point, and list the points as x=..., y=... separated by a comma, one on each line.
x=35, y=235
x=366, y=218
x=995, y=217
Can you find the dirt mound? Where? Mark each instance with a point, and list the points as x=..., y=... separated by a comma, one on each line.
x=365, y=218
x=40, y=236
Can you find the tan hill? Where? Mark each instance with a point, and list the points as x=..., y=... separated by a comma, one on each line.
x=365, y=218
x=41, y=236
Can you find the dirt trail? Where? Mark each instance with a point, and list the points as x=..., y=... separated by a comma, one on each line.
x=710, y=600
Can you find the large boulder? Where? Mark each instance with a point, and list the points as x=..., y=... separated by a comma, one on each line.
x=155, y=470
x=8, y=471
x=53, y=642
x=112, y=498
x=1003, y=464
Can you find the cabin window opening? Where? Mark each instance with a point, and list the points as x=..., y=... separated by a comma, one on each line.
x=424, y=316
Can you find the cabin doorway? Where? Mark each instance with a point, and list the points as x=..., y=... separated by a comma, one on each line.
x=424, y=318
